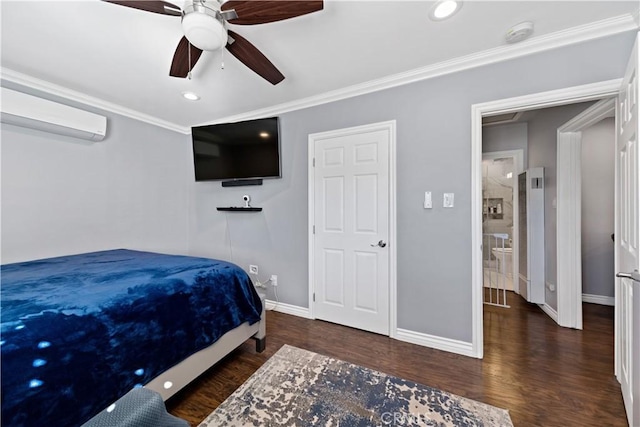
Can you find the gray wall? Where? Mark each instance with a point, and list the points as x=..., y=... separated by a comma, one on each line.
x=598, y=148
x=543, y=152
x=505, y=137
x=63, y=195
x=433, y=153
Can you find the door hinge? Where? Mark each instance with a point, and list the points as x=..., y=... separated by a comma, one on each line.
x=314, y=297
x=314, y=162
x=314, y=229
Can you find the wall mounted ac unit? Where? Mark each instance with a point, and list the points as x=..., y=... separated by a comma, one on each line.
x=32, y=112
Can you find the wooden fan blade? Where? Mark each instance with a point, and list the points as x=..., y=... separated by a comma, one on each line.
x=180, y=64
x=161, y=7
x=250, y=56
x=263, y=11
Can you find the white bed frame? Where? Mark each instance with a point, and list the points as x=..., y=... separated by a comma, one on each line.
x=173, y=380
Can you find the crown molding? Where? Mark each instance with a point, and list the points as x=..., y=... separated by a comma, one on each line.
x=591, y=31
x=582, y=33
x=16, y=77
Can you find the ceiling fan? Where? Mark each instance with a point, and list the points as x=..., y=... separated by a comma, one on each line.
x=204, y=23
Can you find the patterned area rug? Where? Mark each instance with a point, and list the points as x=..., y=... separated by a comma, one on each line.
x=300, y=388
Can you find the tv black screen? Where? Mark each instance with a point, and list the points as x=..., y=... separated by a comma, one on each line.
x=241, y=150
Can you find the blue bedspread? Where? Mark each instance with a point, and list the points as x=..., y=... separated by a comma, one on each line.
x=80, y=331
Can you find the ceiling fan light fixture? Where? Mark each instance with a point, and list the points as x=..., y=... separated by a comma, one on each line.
x=202, y=27
x=444, y=9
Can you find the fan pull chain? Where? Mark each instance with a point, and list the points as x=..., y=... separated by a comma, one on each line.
x=189, y=56
x=222, y=48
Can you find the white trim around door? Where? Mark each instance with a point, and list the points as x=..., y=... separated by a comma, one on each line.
x=569, y=211
x=390, y=128
x=553, y=98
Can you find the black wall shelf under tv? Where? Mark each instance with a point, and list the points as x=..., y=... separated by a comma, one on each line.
x=238, y=209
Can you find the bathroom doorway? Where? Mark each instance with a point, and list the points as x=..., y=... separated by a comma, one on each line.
x=500, y=232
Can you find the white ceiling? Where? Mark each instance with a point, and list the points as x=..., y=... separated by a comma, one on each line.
x=122, y=55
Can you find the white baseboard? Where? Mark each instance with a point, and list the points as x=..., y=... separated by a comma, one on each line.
x=285, y=308
x=599, y=299
x=432, y=341
x=550, y=311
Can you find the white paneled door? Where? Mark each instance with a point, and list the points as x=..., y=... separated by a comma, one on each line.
x=351, y=218
x=627, y=241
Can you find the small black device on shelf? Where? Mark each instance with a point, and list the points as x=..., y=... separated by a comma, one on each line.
x=246, y=208
x=241, y=153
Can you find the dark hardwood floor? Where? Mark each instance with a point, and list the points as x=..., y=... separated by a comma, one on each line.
x=543, y=374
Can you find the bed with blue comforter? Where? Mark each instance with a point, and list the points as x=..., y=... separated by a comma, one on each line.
x=80, y=331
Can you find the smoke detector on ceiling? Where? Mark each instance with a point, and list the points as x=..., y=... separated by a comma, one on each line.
x=519, y=32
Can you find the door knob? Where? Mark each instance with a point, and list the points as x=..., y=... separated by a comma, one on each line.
x=380, y=243
x=633, y=276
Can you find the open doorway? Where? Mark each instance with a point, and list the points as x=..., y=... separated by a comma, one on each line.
x=574, y=145
x=499, y=227
x=589, y=93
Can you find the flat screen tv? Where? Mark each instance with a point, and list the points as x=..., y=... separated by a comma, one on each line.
x=237, y=151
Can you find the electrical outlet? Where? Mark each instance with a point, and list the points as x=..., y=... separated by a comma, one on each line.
x=253, y=269
x=274, y=280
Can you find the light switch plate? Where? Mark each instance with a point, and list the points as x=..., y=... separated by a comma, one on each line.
x=427, y=200
x=447, y=201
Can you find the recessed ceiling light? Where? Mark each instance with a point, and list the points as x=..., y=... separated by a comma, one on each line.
x=444, y=9
x=264, y=134
x=190, y=96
